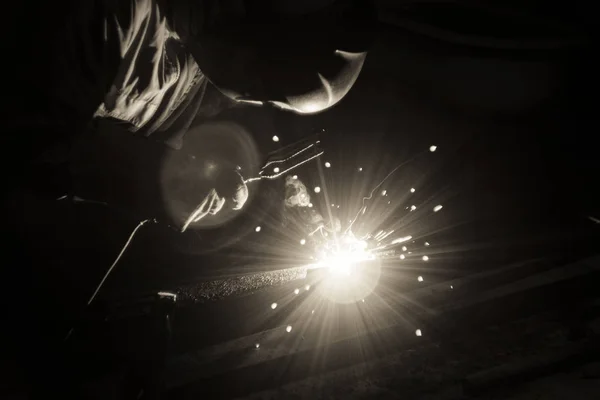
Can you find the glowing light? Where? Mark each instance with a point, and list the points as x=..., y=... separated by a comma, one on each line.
x=425, y=258
x=437, y=208
x=327, y=165
x=317, y=189
x=426, y=243
x=432, y=148
x=451, y=287
x=404, y=248
x=402, y=239
x=276, y=169
x=402, y=256
x=257, y=229
x=383, y=192
x=389, y=202
x=313, y=311
x=257, y=345
x=413, y=207
x=418, y=332
x=310, y=205
x=296, y=291
x=273, y=306
x=332, y=205
x=338, y=206
x=359, y=169
x=295, y=177
x=303, y=242
x=363, y=300
x=275, y=138
x=288, y=328
x=307, y=287
x=412, y=190
x=420, y=279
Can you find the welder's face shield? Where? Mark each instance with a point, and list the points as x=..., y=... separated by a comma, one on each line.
x=302, y=65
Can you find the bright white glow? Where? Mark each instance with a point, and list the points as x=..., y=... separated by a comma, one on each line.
x=418, y=332
x=310, y=205
x=437, y=208
x=288, y=328
x=410, y=252
x=257, y=229
x=383, y=192
x=332, y=205
x=327, y=165
x=296, y=291
x=317, y=189
x=257, y=345
x=303, y=242
x=402, y=256
x=338, y=206
x=413, y=207
x=420, y=279
x=273, y=306
x=307, y=287
x=426, y=243
x=425, y=258
x=389, y=202
x=402, y=239
x=276, y=139
x=412, y=190
x=363, y=300
x=359, y=169
x=432, y=148
x=451, y=287
x=276, y=169
x=404, y=248
x=295, y=177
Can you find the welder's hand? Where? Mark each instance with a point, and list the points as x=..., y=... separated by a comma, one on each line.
x=230, y=192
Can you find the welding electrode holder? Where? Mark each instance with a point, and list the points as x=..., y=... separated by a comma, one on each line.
x=290, y=157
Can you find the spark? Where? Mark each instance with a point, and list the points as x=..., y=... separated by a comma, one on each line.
x=383, y=192
x=432, y=148
x=310, y=205
x=257, y=229
x=437, y=208
x=413, y=207
x=275, y=138
x=402, y=256
x=426, y=243
x=273, y=306
x=296, y=291
x=313, y=311
x=363, y=300
x=412, y=190
x=307, y=287
x=425, y=258
x=332, y=205
x=317, y=189
x=420, y=279
x=418, y=332
x=276, y=169
x=359, y=169
x=303, y=242
x=327, y=164
x=338, y=206
x=288, y=328
x=295, y=177
x=402, y=239
x=404, y=248
x=451, y=287
x=257, y=345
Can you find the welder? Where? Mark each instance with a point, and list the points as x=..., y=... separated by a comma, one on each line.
x=105, y=89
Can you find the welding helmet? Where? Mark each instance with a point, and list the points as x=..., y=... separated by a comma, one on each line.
x=303, y=57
